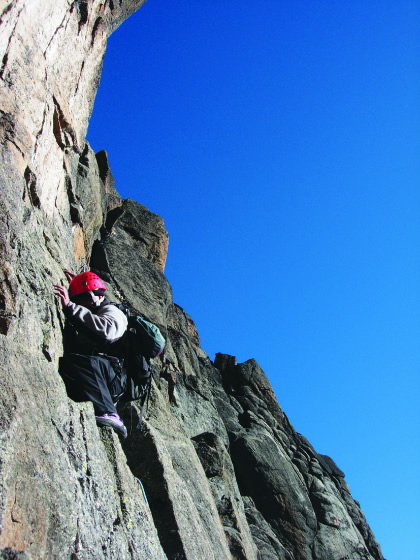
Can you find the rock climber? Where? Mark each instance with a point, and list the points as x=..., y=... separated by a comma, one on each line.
x=91, y=367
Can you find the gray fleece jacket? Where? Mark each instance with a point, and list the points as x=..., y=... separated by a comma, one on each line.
x=107, y=321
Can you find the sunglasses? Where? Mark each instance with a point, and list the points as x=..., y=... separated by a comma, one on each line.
x=85, y=296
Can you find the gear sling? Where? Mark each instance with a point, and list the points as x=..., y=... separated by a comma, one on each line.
x=143, y=341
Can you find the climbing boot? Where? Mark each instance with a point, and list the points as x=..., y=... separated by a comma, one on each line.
x=114, y=422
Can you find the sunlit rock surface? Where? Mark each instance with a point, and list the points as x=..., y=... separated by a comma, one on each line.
x=216, y=471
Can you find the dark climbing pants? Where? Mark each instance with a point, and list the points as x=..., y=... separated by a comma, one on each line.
x=92, y=378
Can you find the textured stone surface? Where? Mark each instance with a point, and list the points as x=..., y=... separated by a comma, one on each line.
x=66, y=490
x=225, y=474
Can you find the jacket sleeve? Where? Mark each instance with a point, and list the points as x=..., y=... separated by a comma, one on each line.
x=108, y=322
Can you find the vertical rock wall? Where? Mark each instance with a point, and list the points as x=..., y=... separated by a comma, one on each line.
x=65, y=488
x=225, y=474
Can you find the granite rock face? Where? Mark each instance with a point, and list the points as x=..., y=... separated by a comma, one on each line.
x=216, y=471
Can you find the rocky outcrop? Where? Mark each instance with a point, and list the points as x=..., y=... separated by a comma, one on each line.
x=216, y=470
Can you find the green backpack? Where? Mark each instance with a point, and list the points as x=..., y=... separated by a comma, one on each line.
x=148, y=337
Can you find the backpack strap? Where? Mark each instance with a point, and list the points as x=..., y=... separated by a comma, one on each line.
x=145, y=403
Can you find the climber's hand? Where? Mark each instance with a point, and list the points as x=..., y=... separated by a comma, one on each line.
x=69, y=275
x=63, y=294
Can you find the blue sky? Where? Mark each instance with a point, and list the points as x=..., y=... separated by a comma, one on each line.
x=280, y=143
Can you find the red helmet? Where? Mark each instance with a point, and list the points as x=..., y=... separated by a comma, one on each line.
x=85, y=282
